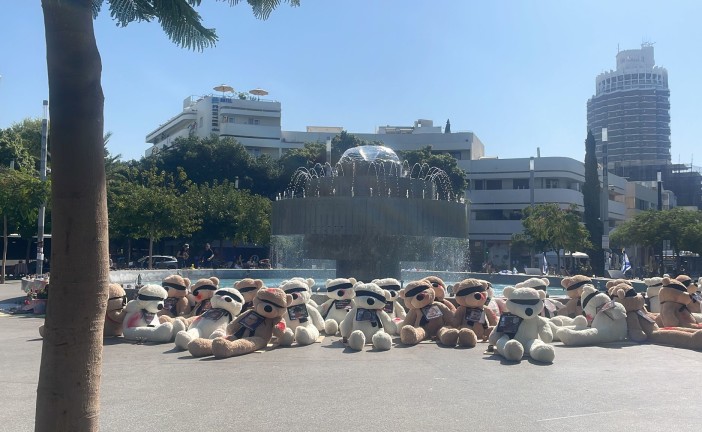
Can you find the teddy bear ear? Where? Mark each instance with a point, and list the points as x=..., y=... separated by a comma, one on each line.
x=352, y=280
x=542, y=294
x=310, y=282
x=328, y=280
x=565, y=283
x=215, y=280
x=187, y=282
x=621, y=293
x=545, y=281
x=387, y=295
x=258, y=283
x=288, y=299
x=401, y=293
x=357, y=284
x=666, y=281
x=609, y=284
x=508, y=291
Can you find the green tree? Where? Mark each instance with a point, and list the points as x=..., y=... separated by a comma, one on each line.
x=71, y=362
x=547, y=227
x=18, y=143
x=591, y=203
x=21, y=194
x=443, y=161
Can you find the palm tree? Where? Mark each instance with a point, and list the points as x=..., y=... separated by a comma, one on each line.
x=71, y=361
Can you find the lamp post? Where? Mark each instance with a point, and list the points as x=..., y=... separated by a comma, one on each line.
x=531, y=197
x=605, y=199
x=660, y=191
x=42, y=208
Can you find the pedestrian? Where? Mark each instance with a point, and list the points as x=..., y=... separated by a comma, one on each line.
x=207, y=257
x=183, y=255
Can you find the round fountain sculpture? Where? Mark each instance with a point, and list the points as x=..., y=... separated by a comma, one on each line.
x=369, y=212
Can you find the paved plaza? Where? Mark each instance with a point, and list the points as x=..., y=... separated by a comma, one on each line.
x=325, y=387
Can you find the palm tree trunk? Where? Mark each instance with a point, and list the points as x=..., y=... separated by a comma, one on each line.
x=71, y=360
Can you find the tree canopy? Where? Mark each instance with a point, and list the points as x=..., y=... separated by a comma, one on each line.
x=681, y=227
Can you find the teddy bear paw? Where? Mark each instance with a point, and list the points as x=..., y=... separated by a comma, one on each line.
x=467, y=338
x=543, y=353
x=513, y=350
x=331, y=327
x=448, y=336
x=357, y=340
x=287, y=338
x=382, y=341
x=200, y=347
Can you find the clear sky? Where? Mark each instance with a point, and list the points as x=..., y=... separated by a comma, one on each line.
x=517, y=73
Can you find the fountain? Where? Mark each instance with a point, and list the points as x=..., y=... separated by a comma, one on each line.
x=369, y=212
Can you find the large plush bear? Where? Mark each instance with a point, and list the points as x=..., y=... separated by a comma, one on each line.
x=551, y=307
x=340, y=292
x=367, y=321
x=653, y=289
x=694, y=307
x=675, y=301
x=307, y=281
x=141, y=322
x=250, y=331
x=521, y=330
x=472, y=319
x=226, y=305
x=574, y=289
x=114, y=315
x=248, y=288
x=425, y=317
x=439, y=287
x=607, y=317
x=177, y=304
x=639, y=323
x=393, y=307
x=202, y=292
x=302, y=317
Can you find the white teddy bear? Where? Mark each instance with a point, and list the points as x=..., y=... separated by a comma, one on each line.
x=141, y=322
x=393, y=308
x=608, y=320
x=302, y=318
x=521, y=331
x=367, y=321
x=340, y=293
x=226, y=305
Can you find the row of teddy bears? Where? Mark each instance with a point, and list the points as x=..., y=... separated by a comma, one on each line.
x=225, y=322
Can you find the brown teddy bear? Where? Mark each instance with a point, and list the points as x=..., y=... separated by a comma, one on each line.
x=177, y=303
x=202, y=292
x=694, y=307
x=425, y=317
x=640, y=324
x=473, y=320
x=251, y=330
x=248, y=288
x=574, y=288
x=675, y=300
x=439, y=288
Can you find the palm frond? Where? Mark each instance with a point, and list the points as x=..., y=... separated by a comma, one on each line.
x=97, y=4
x=127, y=11
x=183, y=24
x=262, y=8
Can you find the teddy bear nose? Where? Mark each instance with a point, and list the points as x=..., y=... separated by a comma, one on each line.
x=420, y=297
x=341, y=292
x=160, y=306
x=268, y=308
x=529, y=311
x=228, y=299
x=477, y=296
x=370, y=302
x=295, y=296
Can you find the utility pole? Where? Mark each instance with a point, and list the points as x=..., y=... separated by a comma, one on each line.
x=42, y=208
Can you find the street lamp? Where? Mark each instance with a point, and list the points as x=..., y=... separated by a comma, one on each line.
x=42, y=209
x=660, y=191
x=605, y=196
x=531, y=180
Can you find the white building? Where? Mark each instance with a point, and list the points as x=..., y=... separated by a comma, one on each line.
x=256, y=125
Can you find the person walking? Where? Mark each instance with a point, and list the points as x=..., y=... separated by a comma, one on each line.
x=207, y=257
x=183, y=256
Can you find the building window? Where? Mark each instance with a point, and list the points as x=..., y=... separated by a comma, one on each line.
x=551, y=183
x=253, y=121
x=478, y=184
x=493, y=184
x=456, y=155
x=520, y=184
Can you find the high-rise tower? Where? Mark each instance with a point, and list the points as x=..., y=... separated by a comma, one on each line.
x=633, y=103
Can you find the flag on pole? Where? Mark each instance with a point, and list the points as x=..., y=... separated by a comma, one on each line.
x=544, y=266
x=626, y=265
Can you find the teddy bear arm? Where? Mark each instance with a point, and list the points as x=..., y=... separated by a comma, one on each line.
x=316, y=317
x=544, y=330
x=618, y=312
x=277, y=330
x=346, y=325
x=490, y=316
x=183, y=307
x=117, y=315
x=399, y=310
x=324, y=307
x=449, y=316
x=233, y=327
x=410, y=319
x=388, y=325
x=668, y=316
x=494, y=337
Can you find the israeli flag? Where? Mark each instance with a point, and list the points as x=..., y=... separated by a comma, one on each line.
x=626, y=265
x=544, y=266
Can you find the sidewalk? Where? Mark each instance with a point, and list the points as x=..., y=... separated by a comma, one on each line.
x=326, y=387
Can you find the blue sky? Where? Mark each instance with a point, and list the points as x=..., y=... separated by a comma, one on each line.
x=517, y=73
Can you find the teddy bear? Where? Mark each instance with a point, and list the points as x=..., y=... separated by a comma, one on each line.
x=573, y=307
x=202, y=292
x=226, y=305
x=302, y=318
x=250, y=331
x=392, y=307
x=141, y=322
x=114, y=314
x=551, y=307
x=638, y=321
x=693, y=307
x=248, y=288
x=653, y=288
x=675, y=300
x=439, y=288
x=607, y=320
x=491, y=302
x=426, y=318
x=472, y=318
x=177, y=303
x=367, y=320
x=307, y=281
x=340, y=292
x=521, y=330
